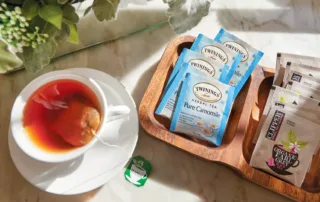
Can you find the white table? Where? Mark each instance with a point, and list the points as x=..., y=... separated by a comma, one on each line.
x=289, y=26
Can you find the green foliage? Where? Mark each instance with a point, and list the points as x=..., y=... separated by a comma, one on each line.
x=302, y=144
x=30, y=9
x=8, y=60
x=105, y=9
x=286, y=145
x=51, y=14
x=48, y=22
x=36, y=58
x=186, y=14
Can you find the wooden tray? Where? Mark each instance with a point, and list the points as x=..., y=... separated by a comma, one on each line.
x=236, y=148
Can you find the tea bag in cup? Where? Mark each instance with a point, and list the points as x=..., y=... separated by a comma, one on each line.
x=217, y=51
x=198, y=60
x=202, y=108
x=286, y=145
x=304, y=79
x=303, y=90
x=283, y=58
x=168, y=101
x=250, y=58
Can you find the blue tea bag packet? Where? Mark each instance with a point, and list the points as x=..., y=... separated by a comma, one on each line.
x=203, y=108
x=168, y=101
x=217, y=51
x=197, y=60
x=250, y=58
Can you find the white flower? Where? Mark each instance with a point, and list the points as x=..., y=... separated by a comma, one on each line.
x=4, y=5
x=294, y=147
x=18, y=10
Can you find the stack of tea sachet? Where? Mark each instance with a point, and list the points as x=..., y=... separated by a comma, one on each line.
x=288, y=132
x=205, y=81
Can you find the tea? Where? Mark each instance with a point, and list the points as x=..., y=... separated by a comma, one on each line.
x=62, y=115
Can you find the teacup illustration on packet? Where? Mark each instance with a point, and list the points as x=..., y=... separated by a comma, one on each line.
x=286, y=155
x=138, y=171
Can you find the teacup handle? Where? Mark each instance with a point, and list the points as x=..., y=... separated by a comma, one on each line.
x=297, y=164
x=117, y=112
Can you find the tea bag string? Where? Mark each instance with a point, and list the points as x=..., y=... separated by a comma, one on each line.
x=104, y=142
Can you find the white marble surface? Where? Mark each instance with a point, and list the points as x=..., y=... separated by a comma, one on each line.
x=270, y=25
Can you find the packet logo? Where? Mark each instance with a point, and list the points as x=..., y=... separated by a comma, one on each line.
x=203, y=66
x=296, y=77
x=215, y=53
x=207, y=92
x=275, y=125
x=238, y=48
x=286, y=155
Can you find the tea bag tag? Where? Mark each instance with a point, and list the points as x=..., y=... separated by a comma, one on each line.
x=138, y=171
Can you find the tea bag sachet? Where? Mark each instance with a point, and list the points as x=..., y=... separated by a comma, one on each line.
x=250, y=58
x=203, y=108
x=278, y=96
x=168, y=101
x=217, y=51
x=304, y=79
x=303, y=90
x=303, y=69
x=198, y=60
x=285, y=146
x=283, y=58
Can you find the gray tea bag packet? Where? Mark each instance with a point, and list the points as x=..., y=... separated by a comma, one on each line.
x=250, y=58
x=202, y=108
x=286, y=145
x=200, y=61
x=217, y=51
x=278, y=96
x=304, y=79
x=301, y=68
x=303, y=90
x=283, y=58
x=168, y=101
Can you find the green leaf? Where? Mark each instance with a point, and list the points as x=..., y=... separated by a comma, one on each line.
x=292, y=137
x=8, y=60
x=73, y=32
x=15, y=1
x=87, y=10
x=62, y=1
x=30, y=9
x=35, y=59
x=282, y=99
x=105, y=9
x=69, y=13
x=186, y=14
x=52, y=14
x=286, y=145
x=302, y=144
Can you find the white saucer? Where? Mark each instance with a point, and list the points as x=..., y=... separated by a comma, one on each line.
x=99, y=164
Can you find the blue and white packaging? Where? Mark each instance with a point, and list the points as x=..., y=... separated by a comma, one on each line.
x=168, y=101
x=217, y=51
x=203, y=108
x=198, y=60
x=250, y=58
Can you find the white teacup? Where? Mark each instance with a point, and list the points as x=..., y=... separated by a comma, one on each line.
x=29, y=147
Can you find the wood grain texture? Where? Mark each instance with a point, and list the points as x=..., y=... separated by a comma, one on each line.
x=237, y=147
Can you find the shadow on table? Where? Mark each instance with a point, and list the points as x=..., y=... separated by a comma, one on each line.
x=296, y=16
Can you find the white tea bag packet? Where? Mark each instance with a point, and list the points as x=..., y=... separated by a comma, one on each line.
x=286, y=145
x=168, y=101
x=303, y=69
x=203, y=108
x=200, y=61
x=279, y=96
x=303, y=90
x=304, y=79
x=217, y=51
x=284, y=58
